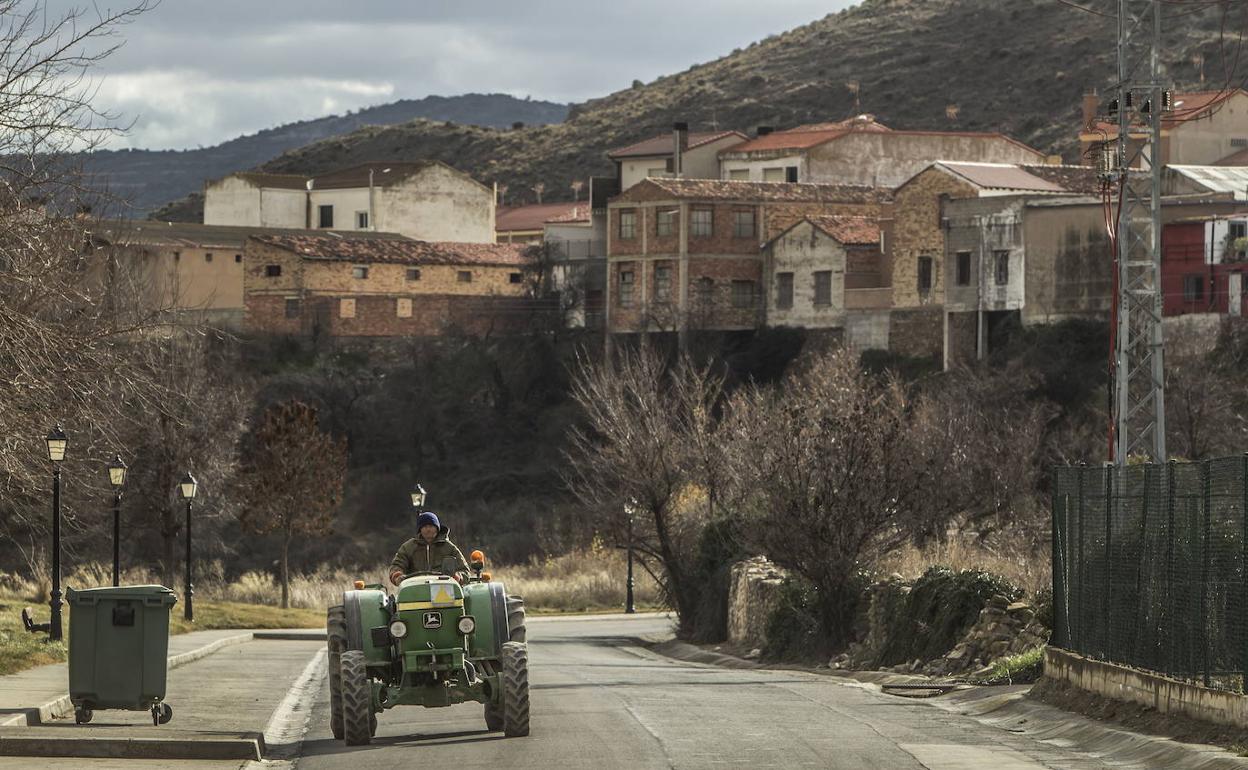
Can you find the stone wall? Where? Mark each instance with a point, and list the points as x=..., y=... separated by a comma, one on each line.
x=753, y=594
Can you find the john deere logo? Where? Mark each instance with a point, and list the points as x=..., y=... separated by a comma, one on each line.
x=433, y=620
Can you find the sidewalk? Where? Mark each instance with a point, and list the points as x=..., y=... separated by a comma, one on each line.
x=224, y=688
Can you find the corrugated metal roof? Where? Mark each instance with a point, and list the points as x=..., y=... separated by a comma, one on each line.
x=1000, y=176
x=1217, y=179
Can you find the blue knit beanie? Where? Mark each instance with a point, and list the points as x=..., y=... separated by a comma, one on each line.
x=428, y=517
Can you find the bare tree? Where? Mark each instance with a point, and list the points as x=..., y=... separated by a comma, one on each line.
x=292, y=479
x=640, y=416
x=538, y=189
x=843, y=467
x=502, y=194
x=1203, y=419
x=577, y=185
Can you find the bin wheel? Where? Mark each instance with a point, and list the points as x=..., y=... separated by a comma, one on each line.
x=82, y=715
x=166, y=714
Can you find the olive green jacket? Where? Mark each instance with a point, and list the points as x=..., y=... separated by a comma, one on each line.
x=439, y=556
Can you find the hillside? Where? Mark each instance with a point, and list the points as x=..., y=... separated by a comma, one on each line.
x=1016, y=66
x=149, y=178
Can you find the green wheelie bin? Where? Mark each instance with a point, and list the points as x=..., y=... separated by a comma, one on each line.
x=118, y=650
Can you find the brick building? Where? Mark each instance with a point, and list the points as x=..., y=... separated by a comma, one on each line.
x=382, y=286
x=1203, y=265
x=688, y=254
x=1205, y=128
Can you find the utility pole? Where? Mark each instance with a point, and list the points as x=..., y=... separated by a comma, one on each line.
x=1139, y=363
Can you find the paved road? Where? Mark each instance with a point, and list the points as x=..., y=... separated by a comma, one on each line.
x=601, y=703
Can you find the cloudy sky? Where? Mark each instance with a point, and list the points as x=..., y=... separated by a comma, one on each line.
x=197, y=72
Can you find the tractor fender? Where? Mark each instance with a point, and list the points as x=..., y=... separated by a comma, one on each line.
x=498, y=613
x=365, y=610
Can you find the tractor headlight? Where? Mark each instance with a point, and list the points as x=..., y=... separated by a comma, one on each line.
x=467, y=624
x=398, y=629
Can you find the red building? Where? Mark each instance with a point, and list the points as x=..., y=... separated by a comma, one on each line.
x=1204, y=261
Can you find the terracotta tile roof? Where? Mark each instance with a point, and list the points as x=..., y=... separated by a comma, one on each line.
x=533, y=217
x=1239, y=158
x=398, y=251
x=850, y=231
x=665, y=144
x=579, y=212
x=187, y=234
x=726, y=190
x=814, y=134
x=1073, y=179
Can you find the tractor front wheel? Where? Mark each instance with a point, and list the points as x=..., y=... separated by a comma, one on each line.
x=336, y=634
x=493, y=717
x=357, y=700
x=515, y=676
x=516, y=631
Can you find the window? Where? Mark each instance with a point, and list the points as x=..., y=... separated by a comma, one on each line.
x=660, y=172
x=925, y=274
x=1001, y=266
x=790, y=174
x=743, y=294
x=784, y=291
x=964, y=268
x=776, y=174
x=823, y=288
x=413, y=274
x=515, y=277
x=1239, y=142
x=743, y=224
x=463, y=276
x=739, y=174
x=1239, y=230
x=272, y=271
x=628, y=225
x=403, y=307
x=346, y=308
x=1193, y=287
x=361, y=220
x=238, y=259
x=208, y=257
x=327, y=216
x=359, y=272
x=701, y=223
x=663, y=283
x=627, y=284
x=292, y=308
x=665, y=222
x=704, y=291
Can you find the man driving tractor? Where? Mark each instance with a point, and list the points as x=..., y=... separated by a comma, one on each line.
x=429, y=551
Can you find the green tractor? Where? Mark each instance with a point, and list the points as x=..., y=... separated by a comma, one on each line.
x=435, y=643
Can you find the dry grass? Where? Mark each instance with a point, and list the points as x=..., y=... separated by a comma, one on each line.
x=1030, y=571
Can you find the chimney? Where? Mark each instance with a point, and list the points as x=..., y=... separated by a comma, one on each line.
x=680, y=138
x=765, y=130
x=1091, y=105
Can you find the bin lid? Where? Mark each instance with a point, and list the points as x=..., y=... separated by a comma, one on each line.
x=133, y=593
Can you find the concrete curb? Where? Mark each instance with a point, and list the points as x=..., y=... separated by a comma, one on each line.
x=1007, y=708
x=188, y=746
x=62, y=706
x=290, y=635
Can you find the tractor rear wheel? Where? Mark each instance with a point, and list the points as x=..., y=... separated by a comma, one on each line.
x=336, y=634
x=515, y=679
x=357, y=699
x=515, y=619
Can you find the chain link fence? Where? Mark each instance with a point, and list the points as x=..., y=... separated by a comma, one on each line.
x=1149, y=567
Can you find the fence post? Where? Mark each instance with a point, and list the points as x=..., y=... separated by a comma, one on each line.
x=1168, y=625
x=1078, y=643
x=1204, y=572
x=1106, y=621
x=1059, y=583
x=1243, y=567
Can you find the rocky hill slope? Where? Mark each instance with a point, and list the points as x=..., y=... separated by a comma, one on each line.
x=149, y=178
x=1015, y=66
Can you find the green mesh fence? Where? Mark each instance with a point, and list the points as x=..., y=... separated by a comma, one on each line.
x=1149, y=567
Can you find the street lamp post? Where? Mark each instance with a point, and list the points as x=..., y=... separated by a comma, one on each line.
x=629, y=607
x=418, y=498
x=117, y=477
x=57, y=443
x=187, y=489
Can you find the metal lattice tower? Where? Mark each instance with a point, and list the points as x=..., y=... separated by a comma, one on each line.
x=1139, y=373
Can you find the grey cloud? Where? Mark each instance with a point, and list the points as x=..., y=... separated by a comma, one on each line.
x=195, y=72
